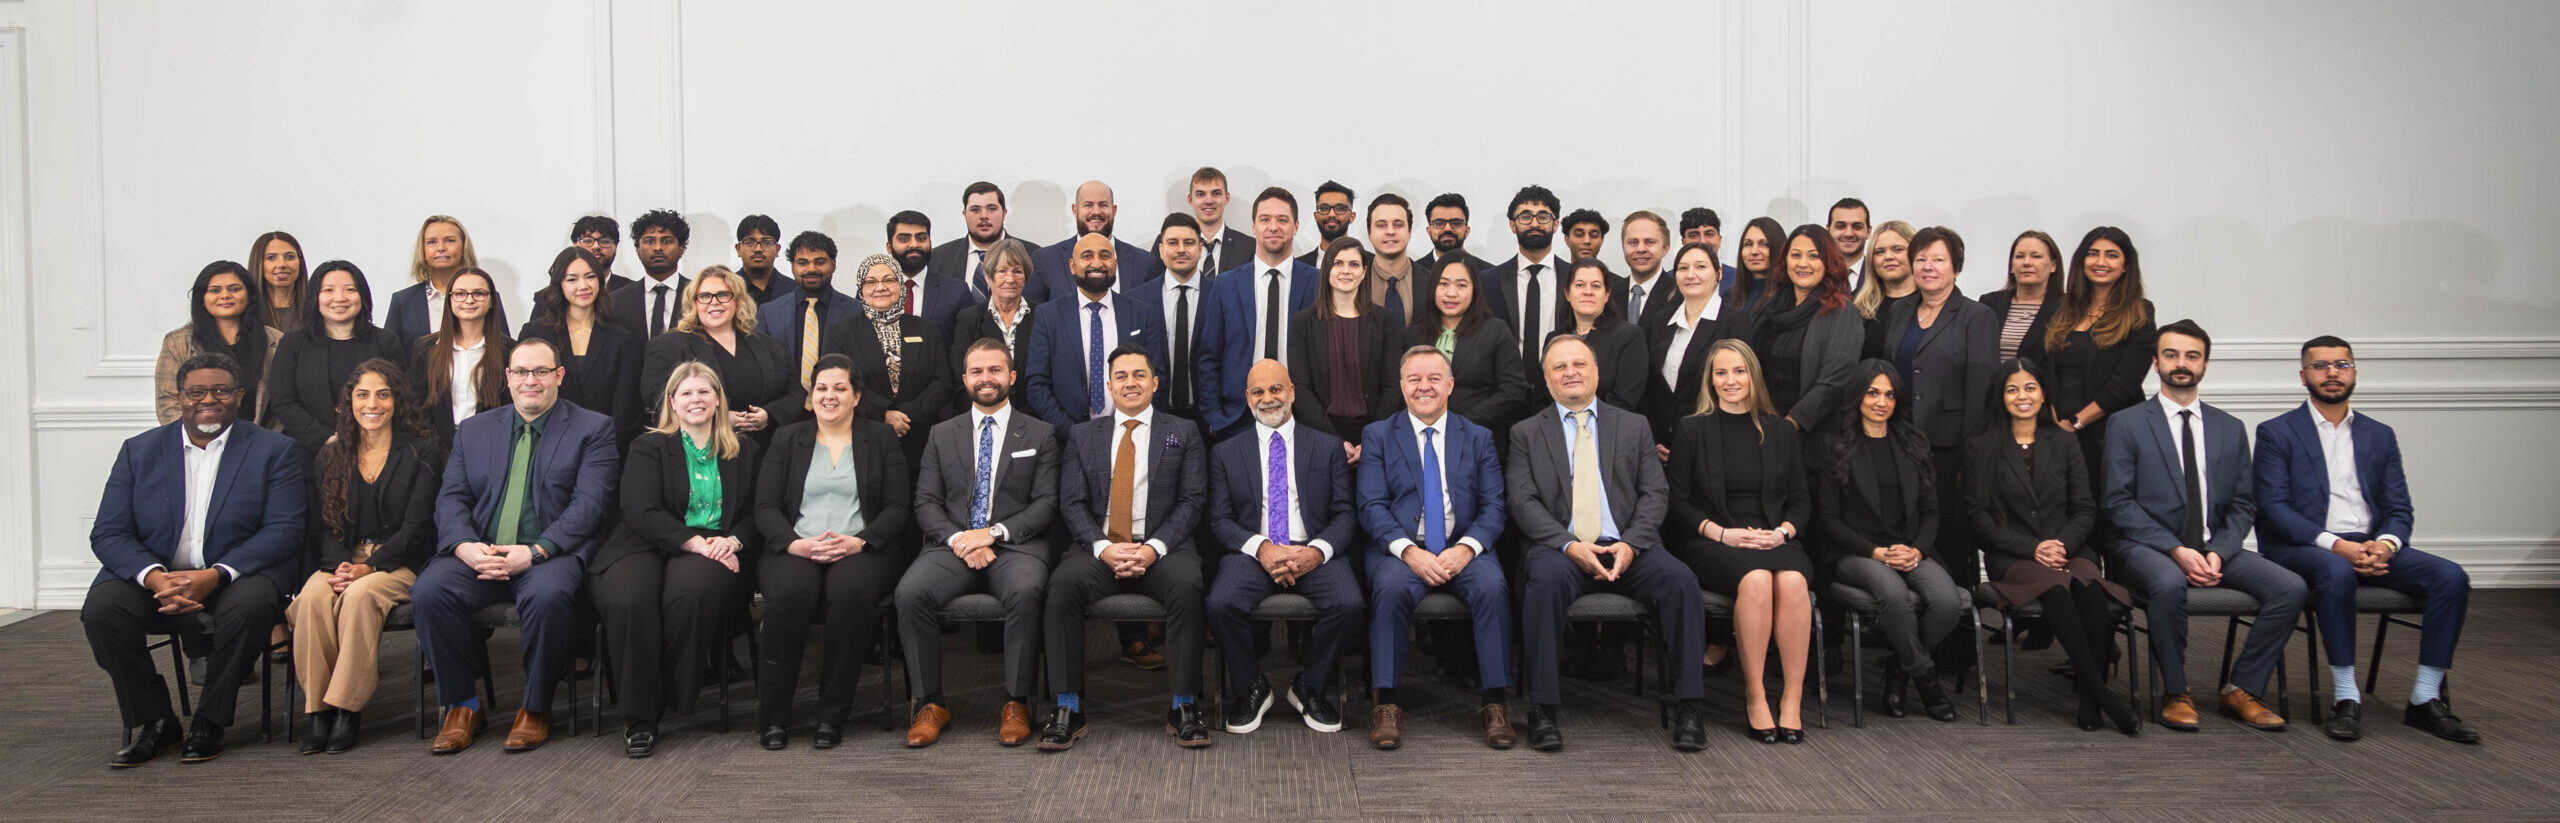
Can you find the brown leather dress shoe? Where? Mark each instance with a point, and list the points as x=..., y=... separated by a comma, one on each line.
x=929, y=723
x=460, y=725
x=2178, y=711
x=2245, y=706
x=532, y=729
x=1386, y=726
x=1497, y=726
x=1014, y=728
x=1143, y=656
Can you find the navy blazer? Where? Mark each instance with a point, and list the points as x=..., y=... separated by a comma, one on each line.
x=2142, y=488
x=2292, y=476
x=780, y=319
x=1236, y=498
x=1227, y=327
x=407, y=317
x=1056, y=370
x=1051, y=278
x=1391, y=481
x=255, y=522
x=1177, y=469
x=944, y=297
x=575, y=470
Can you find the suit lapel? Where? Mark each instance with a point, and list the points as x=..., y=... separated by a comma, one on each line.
x=234, y=454
x=2165, y=441
x=1558, y=450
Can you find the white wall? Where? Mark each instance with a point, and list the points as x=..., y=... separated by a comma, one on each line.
x=2286, y=168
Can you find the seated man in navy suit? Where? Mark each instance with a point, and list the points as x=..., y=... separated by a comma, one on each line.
x=2161, y=458
x=1280, y=502
x=2334, y=507
x=1130, y=489
x=1096, y=213
x=524, y=502
x=1072, y=338
x=1431, y=502
x=201, y=516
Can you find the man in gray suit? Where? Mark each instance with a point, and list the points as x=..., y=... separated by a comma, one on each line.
x=2160, y=457
x=987, y=494
x=1588, y=495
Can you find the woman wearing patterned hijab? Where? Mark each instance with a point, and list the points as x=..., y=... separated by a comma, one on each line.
x=901, y=357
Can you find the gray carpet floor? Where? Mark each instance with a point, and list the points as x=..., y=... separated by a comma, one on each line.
x=60, y=726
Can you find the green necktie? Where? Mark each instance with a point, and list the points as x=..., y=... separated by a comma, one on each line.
x=511, y=503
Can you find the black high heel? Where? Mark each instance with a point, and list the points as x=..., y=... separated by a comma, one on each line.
x=1790, y=736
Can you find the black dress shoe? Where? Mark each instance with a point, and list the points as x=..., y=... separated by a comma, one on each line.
x=1894, y=681
x=316, y=728
x=1688, y=728
x=1543, y=734
x=1933, y=699
x=204, y=742
x=1790, y=736
x=774, y=738
x=1768, y=736
x=1064, y=729
x=1244, y=714
x=344, y=731
x=2346, y=721
x=1189, y=725
x=639, y=743
x=2436, y=717
x=1313, y=708
x=828, y=736
x=149, y=740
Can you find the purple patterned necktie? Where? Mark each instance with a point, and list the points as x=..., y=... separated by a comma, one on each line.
x=1276, y=491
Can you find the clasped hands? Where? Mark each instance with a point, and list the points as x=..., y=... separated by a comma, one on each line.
x=823, y=549
x=1898, y=557
x=495, y=562
x=2201, y=568
x=1587, y=556
x=975, y=547
x=1438, y=569
x=345, y=574
x=1752, y=539
x=2052, y=554
x=2371, y=558
x=1286, y=563
x=1128, y=560
x=722, y=549
x=182, y=592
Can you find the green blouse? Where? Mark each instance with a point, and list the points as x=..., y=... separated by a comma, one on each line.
x=702, y=511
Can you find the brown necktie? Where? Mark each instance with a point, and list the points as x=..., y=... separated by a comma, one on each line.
x=1124, y=478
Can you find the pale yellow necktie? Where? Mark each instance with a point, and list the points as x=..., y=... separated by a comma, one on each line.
x=808, y=340
x=1586, y=481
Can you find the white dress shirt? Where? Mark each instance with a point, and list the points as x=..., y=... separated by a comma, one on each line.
x=1144, y=436
x=1534, y=329
x=2177, y=438
x=202, y=465
x=1654, y=285
x=435, y=308
x=466, y=390
x=1288, y=270
x=1448, y=513
x=977, y=422
x=1681, y=329
x=1288, y=432
x=2348, y=512
x=916, y=285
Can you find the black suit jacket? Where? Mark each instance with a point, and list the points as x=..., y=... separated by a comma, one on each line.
x=1618, y=349
x=631, y=305
x=1311, y=367
x=607, y=380
x=1698, y=467
x=302, y=391
x=1665, y=402
x=888, y=495
x=924, y=377
x=977, y=323
x=1024, y=500
x=656, y=489
x=1951, y=371
x=944, y=297
x=2013, y=508
x=1852, y=517
x=1235, y=248
x=1491, y=388
x=1323, y=491
x=1177, y=480
x=760, y=374
x=1431, y=262
x=405, y=494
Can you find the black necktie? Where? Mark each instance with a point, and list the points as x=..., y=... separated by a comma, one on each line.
x=2191, y=528
x=1395, y=301
x=1182, y=346
x=1271, y=318
x=1529, y=340
x=658, y=311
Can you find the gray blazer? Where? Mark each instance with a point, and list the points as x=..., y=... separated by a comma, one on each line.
x=1831, y=344
x=2142, y=487
x=1025, y=500
x=1951, y=373
x=1538, y=478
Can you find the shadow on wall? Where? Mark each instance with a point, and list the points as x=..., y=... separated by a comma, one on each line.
x=1038, y=211
x=859, y=231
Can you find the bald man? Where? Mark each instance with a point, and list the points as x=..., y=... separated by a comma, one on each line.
x=1280, y=504
x=1073, y=335
x=1095, y=213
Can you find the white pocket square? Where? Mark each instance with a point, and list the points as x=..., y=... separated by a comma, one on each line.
x=1026, y=452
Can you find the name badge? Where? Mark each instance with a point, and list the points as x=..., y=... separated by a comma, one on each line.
x=1026, y=452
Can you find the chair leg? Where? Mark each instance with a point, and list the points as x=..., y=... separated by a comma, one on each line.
x=2230, y=636
x=1821, y=682
x=2311, y=664
x=1857, y=675
x=2373, y=671
x=178, y=661
x=418, y=675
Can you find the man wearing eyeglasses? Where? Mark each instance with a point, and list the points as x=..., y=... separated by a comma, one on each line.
x=759, y=243
x=1446, y=221
x=602, y=237
x=202, y=518
x=525, y=497
x=1333, y=217
x=2334, y=507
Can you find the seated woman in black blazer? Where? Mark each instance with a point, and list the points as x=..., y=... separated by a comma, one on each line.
x=900, y=357
x=1005, y=318
x=1492, y=389
x=1876, y=497
x=309, y=376
x=460, y=369
x=685, y=547
x=374, y=498
x=1737, y=497
x=2028, y=496
x=1676, y=343
x=602, y=357
x=717, y=329
x=1617, y=346
x=1343, y=350
x=832, y=501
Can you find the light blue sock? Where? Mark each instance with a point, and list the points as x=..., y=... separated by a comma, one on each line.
x=2342, y=684
x=2430, y=686
x=472, y=704
x=1181, y=700
x=1070, y=701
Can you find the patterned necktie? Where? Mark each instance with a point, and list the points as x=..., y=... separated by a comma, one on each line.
x=1586, y=480
x=1435, y=516
x=511, y=502
x=978, y=275
x=1093, y=357
x=986, y=473
x=808, y=340
x=2191, y=526
x=1276, y=493
x=1124, y=483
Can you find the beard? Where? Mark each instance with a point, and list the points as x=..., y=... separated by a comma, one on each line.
x=1535, y=240
x=1082, y=228
x=2180, y=378
x=1330, y=231
x=986, y=392
x=1095, y=282
x=914, y=261
x=1272, y=417
x=1446, y=242
x=2328, y=394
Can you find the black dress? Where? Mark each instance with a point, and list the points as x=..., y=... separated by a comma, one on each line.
x=606, y=378
x=2084, y=373
x=307, y=374
x=1724, y=469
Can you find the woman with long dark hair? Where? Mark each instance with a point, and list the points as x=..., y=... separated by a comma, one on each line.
x=575, y=314
x=1875, y=495
x=1758, y=259
x=1738, y=509
x=462, y=366
x=223, y=315
x=2098, y=347
x=277, y=258
x=312, y=362
x=375, y=495
x=1808, y=335
x=1491, y=389
x=1343, y=349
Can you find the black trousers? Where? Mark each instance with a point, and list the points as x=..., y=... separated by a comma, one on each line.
x=1174, y=581
x=659, y=615
x=1017, y=578
x=1654, y=578
x=847, y=596
x=120, y=614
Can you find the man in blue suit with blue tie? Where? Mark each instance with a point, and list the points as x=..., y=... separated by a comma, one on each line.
x=2334, y=507
x=1072, y=338
x=787, y=318
x=1053, y=272
x=201, y=517
x=1431, y=502
x=1280, y=503
x=1248, y=318
x=526, y=494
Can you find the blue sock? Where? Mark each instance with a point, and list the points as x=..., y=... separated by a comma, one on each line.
x=2342, y=683
x=1070, y=702
x=1181, y=700
x=2430, y=685
x=472, y=704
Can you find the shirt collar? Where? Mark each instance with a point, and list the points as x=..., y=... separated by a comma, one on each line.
x=2172, y=407
x=1146, y=417
x=537, y=424
x=978, y=419
x=2321, y=422
x=1568, y=414
x=1419, y=424
x=1288, y=431
x=216, y=444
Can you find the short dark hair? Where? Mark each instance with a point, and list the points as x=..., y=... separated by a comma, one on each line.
x=1389, y=199
x=1176, y=220
x=2190, y=329
x=1127, y=349
x=2327, y=341
x=545, y=342
x=663, y=219
x=1581, y=217
x=812, y=240
x=596, y=224
x=209, y=360
x=753, y=223
x=1847, y=203
x=1280, y=194
x=1940, y=234
x=1532, y=193
x=1330, y=187
x=982, y=187
x=1700, y=216
x=910, y=217
x=838, y=360
x=1447, y=200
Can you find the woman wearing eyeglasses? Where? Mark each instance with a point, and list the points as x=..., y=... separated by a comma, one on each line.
x=716, y=329
x=462, y=367
x=900, y=356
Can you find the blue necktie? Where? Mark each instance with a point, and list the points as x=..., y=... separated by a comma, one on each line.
x=1435, y=528
x=1093, y=360
x=986, y=473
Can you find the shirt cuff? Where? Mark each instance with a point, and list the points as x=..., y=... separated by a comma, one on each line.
x=1099, y=546
x=1253, y=546
x=2395, y=541
x=550, y=550
x=999, y=532
x=1322, y=547
x=229, y=573
x=1396, y=549
x=2325, y=541
x=146, y=574
x=1158, y=545
x=1471, y=543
